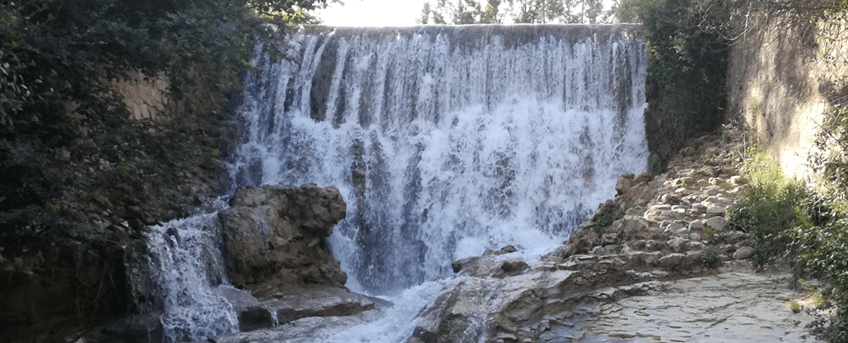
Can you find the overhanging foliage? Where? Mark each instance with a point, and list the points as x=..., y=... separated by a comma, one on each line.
x=69, y=156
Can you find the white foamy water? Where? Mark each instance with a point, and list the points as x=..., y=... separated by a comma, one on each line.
x=190, y=269
x=396, y=325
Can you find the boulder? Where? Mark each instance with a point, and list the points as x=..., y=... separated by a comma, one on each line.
x=505, y=250
x=743, y=253
x=678, y=244
x=624, y=183
x=273, y=237
x=291, y=304
x=489, y=266
x=715, y=211
x=717, y=223
x=696, y=225
x=252, y=314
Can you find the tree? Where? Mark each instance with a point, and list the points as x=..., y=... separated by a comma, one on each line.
x=60, y=54
x=460, y=12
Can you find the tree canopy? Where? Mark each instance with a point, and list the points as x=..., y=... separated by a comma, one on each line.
x=459, y=12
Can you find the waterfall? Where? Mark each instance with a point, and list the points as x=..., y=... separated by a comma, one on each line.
x=446, y=141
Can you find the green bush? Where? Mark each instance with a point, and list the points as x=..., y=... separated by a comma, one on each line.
x=709, y=259
x=771, y=207
x=823, y=249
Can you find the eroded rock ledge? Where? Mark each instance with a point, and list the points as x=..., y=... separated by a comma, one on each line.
x=274, y=237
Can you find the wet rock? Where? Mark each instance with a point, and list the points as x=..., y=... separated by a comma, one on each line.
x=489, y=266
x=505, y=250
x=294, y=303
x=252, y=314
x=457, y=313
x=272, y=236
x=302, y=330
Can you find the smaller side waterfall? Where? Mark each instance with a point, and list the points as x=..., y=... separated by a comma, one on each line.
x=187, y=258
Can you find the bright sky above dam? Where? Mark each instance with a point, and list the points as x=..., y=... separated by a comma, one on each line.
x=372, y=13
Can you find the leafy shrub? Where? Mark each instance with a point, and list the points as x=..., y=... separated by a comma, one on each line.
x=709, y=259
x=771, y=208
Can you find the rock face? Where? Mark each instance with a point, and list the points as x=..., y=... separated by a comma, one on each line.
x=50, y=293
x=273, y=237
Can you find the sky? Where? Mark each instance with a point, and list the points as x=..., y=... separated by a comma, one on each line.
x=372, y=13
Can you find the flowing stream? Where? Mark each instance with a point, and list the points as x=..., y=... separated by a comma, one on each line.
x=446, y=141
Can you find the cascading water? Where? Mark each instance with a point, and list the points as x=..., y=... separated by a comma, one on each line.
x=446, y=141
x=191, y=271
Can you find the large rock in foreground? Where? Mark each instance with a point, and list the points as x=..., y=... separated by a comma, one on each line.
x=273, y=237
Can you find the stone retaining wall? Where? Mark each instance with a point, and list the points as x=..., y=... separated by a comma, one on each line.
x=147, y=97
x=779, y=78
